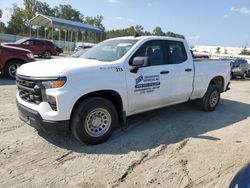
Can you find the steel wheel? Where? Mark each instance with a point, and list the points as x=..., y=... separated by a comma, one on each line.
x=94, y=120
x=213, y=99
x=97, y=122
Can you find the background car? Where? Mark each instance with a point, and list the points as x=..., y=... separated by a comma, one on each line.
x=239, y=68
x=58, y=50
x=199, y=55
x=11, y=58
x=248, y=71
x=40, y=47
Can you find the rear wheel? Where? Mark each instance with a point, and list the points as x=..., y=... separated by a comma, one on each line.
x=11, y=68
x=211, y=99
x=94, y=120
x=47, y=54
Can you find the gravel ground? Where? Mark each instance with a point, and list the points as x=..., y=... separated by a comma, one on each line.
x=178, y=146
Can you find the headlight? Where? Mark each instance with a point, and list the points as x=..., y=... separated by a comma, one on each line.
x=54, y=83
x=30, y=55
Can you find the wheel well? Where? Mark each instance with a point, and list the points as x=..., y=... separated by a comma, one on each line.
x=110, y=95
x=219, y=82
x=11, y=60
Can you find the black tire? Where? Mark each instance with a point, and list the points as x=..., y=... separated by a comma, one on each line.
x=94, y=120
x=47, y=55
x=244, y=76
x=11, y=67
x=211, y=99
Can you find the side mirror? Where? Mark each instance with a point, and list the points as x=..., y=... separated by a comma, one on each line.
x=139, y=62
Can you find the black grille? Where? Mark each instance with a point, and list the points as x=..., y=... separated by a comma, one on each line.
x=29, y=90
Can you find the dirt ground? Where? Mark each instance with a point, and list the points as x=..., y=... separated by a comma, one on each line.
x=178, y=146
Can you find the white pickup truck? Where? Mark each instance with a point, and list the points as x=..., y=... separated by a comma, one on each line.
x=120, y=77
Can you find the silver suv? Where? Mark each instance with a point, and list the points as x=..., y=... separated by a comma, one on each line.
x=239, y=68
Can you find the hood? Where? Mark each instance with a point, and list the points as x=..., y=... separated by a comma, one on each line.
x=9, y=45
x=54, y=67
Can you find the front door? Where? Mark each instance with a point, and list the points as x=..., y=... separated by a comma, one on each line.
x=145, y=88
x=29, y=45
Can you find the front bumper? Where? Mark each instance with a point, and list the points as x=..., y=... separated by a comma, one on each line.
x=34, y=119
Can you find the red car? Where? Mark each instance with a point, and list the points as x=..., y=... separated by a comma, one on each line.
x=40, y=47
x=11, y=58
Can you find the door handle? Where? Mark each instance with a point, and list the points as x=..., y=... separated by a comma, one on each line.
x=188, y=70
x=164, y=72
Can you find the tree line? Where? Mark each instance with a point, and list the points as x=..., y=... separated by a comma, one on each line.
x=19, y=22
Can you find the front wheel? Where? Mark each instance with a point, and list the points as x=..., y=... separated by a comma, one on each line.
x=94, y=120
x=11, y=68
x=211, y=99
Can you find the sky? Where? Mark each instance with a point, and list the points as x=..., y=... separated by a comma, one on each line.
x=213, y=22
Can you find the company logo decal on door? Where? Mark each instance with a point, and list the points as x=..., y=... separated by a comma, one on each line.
x=147, y=84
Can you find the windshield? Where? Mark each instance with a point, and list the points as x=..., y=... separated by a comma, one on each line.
x=20, y=41
x=237, y=63
x=110, y=50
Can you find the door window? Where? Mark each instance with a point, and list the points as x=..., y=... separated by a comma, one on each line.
x=176, y=51
x=153, y=50
x=38, y=43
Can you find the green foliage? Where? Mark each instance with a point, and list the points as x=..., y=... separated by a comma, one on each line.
x=2, y=25
x=1, y=13
x=17, y=23
x=140, y=30
x=158, y=31
x=45, y=9
x=30, y=8
x=95, y=21
x=217, y=50
x=245, y=51
x=68, y=12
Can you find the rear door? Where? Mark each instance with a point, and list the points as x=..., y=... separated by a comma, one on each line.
x=180, y=72
x=38, y=47
x=49, y=46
